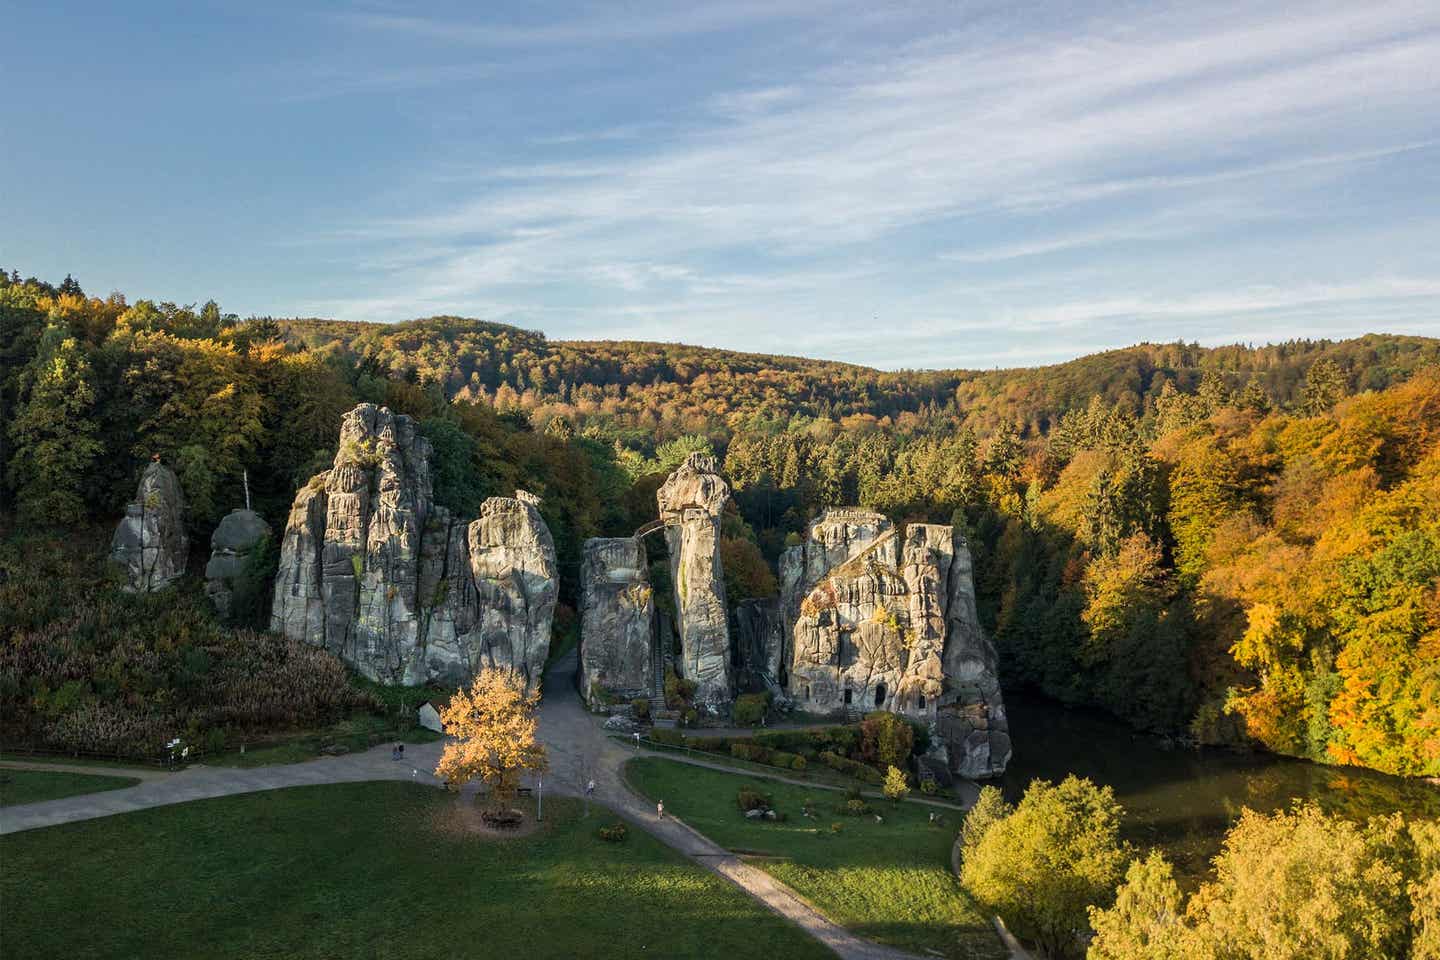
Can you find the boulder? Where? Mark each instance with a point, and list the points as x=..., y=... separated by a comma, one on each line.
x=150, y=541
x=617, y=620
x=691, y=502
x=429, y=717
x=238, y=535
x=374, y=570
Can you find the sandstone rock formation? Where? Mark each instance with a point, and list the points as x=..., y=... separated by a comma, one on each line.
x=236, y=537
x=760, y=649
x=848, y=636
x=150, y=541
x=691, y=502
x=883, y=620
x=512, y=562
x=375, y=571
x=617, y=620
x=971, y=715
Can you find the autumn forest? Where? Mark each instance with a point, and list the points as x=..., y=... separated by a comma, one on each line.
x=1231, y=545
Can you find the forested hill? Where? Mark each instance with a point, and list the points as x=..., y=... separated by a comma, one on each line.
x=1236, y=544
x=675, y=388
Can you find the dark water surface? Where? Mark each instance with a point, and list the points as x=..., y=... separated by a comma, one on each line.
x=1183, y=800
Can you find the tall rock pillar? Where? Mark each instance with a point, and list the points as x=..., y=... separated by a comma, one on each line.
x=691, y=502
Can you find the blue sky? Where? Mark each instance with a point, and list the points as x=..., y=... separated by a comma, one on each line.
x=902, y=185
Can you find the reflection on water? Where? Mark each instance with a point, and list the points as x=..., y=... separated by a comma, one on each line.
x=1184, y=800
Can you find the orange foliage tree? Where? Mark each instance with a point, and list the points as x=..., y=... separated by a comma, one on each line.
x=492, y=725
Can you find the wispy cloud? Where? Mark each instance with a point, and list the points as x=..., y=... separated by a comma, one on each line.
x=941, y=150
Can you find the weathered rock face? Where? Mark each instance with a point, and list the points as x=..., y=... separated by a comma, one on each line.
x=878, y=620
x=150, y=541
x=849, y=628
x=512, y=562
x=617, y=619
x=760, y=648
x=971, y=717
x=237, y=536
x=691, y=502
x=925, y=560
x=373, y=570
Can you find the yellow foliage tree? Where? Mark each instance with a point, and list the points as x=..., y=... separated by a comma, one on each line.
x=493, y=727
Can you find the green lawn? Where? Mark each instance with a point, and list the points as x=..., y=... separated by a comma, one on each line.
x=887, y=881
x=359, y=870
x=33, y=786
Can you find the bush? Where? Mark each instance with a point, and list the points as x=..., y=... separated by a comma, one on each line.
x=615, y=833
x=84, y=666
x=837, y=827
x=679, y=694
x=709, y=744
x=851, y=768
x=668, y=736
x=896, y=789
x=1045, y=864
x=886, y=739
x=750, y=708
x=640, y=709
x=857, y=807
x=929, y=787
x=749, y=751
x=748, y=798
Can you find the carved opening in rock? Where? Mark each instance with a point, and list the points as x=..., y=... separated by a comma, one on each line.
x=880, y=694
x=849, y=695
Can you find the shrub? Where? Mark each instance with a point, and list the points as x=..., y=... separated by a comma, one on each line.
x=615, y=833
x=679, y=693
x=690, y=717
x=640, y=709
x=668, y=736
x=851, y=768
x=857, y=807
x=87, y=667
x=1046, y=863
x=896, y=789
x=886, y=739
x=837, y=827
x=748, y=798
x=929, y=787
x=709, y=744
x=749, y=751
x=990, y=808
x=750, y=708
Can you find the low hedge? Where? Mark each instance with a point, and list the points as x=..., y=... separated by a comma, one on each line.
x=851, y=768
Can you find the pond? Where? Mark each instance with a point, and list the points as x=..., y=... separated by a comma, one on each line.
x=1181, y=799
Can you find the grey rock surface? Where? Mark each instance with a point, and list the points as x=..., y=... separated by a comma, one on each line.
x=150, y=541
x=691, y=502
x=881, y=619
x=235, y=539
x=373, y=570
x=617, y=620
x=847, y=610
x=761, y=652
x=971, y=718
